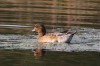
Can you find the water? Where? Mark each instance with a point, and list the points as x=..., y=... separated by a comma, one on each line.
x=86, y=39
x=17, y=50
x=17, y=42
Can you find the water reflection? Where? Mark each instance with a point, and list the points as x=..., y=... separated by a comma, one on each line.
x=39, y=53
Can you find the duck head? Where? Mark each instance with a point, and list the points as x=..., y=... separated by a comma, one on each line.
x=40, y=29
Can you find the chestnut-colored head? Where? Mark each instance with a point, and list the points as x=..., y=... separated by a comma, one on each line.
x=39, y=28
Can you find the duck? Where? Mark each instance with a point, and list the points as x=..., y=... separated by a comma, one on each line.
x=60, y=37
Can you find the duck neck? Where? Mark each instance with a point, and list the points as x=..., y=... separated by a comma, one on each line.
x=41, y=34
x=42, y=31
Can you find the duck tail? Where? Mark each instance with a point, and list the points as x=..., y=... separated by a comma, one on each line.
x=71, y=36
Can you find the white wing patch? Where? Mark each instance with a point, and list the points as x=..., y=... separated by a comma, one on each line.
x=64, y=38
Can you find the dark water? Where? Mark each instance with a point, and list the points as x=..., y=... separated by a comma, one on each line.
x=26, y=58
x=17, y=42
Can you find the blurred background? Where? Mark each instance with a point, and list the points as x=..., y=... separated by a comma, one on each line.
x=19, y=16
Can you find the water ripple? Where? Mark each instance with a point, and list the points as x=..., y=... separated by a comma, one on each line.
x=84, y=40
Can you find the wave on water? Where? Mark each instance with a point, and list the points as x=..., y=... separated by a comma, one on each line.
x=86, y=39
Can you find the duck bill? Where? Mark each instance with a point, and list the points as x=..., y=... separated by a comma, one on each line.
x=33, y=30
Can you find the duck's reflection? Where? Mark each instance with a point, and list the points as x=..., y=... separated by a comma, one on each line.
x=39, y=53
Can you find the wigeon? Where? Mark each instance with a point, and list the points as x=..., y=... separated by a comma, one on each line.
x=63, y=37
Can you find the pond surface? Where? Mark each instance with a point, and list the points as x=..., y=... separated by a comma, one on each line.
x=86, y=39
x=26, y=58
x=17, y=42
